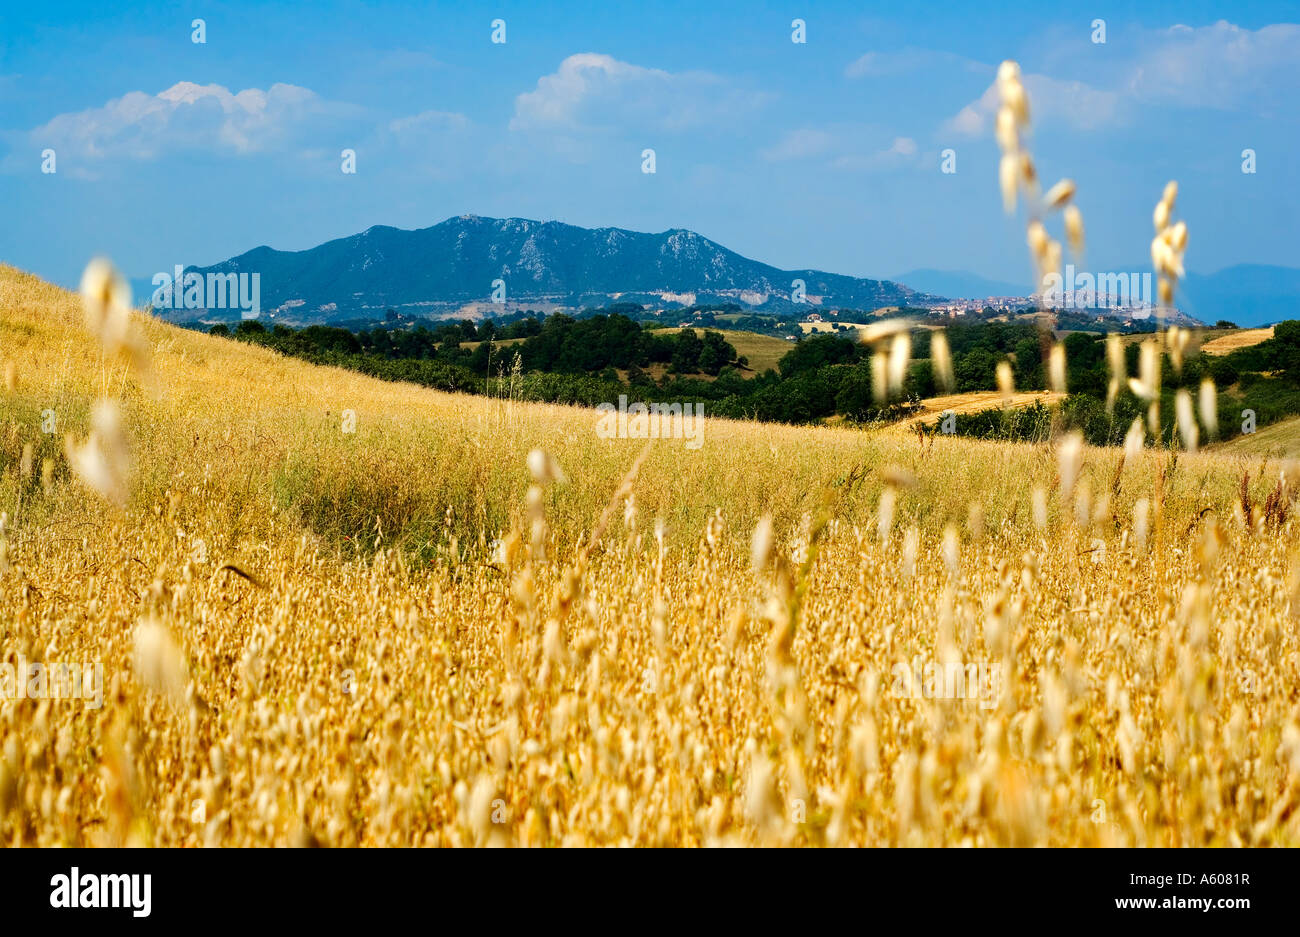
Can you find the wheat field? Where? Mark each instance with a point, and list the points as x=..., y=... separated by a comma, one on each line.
x=1230, y=341
x=472, y=621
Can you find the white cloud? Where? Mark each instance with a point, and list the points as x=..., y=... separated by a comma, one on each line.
x=1222, y=66
x=902, y=152
x=903, y=146
x=861, y=67
x=1050, y=101
x=968, y=122
x=437, y=144
x=186, y=115
x=908, y=60
x=427, y=122
x=799, y=144
x=591, y=90
x=845, y=146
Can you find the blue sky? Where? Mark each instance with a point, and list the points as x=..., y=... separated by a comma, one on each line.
x=824, y=154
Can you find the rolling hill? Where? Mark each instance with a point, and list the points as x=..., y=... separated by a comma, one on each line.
x=331, y=610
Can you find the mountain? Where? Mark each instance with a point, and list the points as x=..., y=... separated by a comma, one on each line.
x=1247, y=294
x=441, y=270
x=960, y=284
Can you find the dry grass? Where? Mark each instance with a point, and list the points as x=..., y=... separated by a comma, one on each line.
x=497, y=343
x=1279, y=440
x=763, y=351
x=829, y=326
x=347, y=658
x=1212, y=341
x=975, y=401
x=1232, y=339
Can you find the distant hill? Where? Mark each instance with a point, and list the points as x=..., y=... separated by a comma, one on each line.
x=443, y=269
x=1247, y=294
x=960, y=284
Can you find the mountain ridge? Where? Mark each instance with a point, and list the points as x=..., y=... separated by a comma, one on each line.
x=458, y=264
x=454, y=267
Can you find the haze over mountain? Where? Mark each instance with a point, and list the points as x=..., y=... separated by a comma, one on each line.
x=453, y=268
x=444, y=269
x=959, y=284
x=1247, y=294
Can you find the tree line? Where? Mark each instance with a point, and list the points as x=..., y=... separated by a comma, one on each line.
x=592, y=359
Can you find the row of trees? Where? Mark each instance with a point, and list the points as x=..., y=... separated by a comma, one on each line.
x=565, y=359
x=561, y=343
x=1262, y=380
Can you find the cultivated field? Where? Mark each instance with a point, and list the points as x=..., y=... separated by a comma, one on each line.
x=415, y=633
x=1211, y=341
x=832, y=325
x=763, y=351
x=933, y=408
x=1233, y=339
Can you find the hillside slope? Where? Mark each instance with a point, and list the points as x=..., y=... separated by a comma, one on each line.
x=1279, y=441
x=307, y=636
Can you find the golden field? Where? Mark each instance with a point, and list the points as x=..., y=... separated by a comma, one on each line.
x=403, y=636
x=933, y=408
x=829, y=326
x=1212, y=341
x=1231, y=340
x=1280, y=440
x=762, y=351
